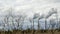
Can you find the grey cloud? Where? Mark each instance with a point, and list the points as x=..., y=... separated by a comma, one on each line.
x=54, y=1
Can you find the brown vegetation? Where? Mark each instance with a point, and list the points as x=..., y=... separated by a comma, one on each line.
x=31, y=32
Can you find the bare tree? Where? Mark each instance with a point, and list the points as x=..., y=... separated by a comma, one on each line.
x=31, y=21
x=9, y=18
x=51, y=12
x=52, y=22
x=36, y=16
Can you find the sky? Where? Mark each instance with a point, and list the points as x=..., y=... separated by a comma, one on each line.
x=29, y=6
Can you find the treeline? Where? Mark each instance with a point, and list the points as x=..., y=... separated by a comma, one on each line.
x=10, y=22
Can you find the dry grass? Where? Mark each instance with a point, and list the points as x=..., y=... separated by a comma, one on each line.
x=31, y=32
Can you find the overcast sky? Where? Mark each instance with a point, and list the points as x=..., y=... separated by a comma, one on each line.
x=29, y=6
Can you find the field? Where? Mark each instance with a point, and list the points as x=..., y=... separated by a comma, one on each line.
x=31, y=32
